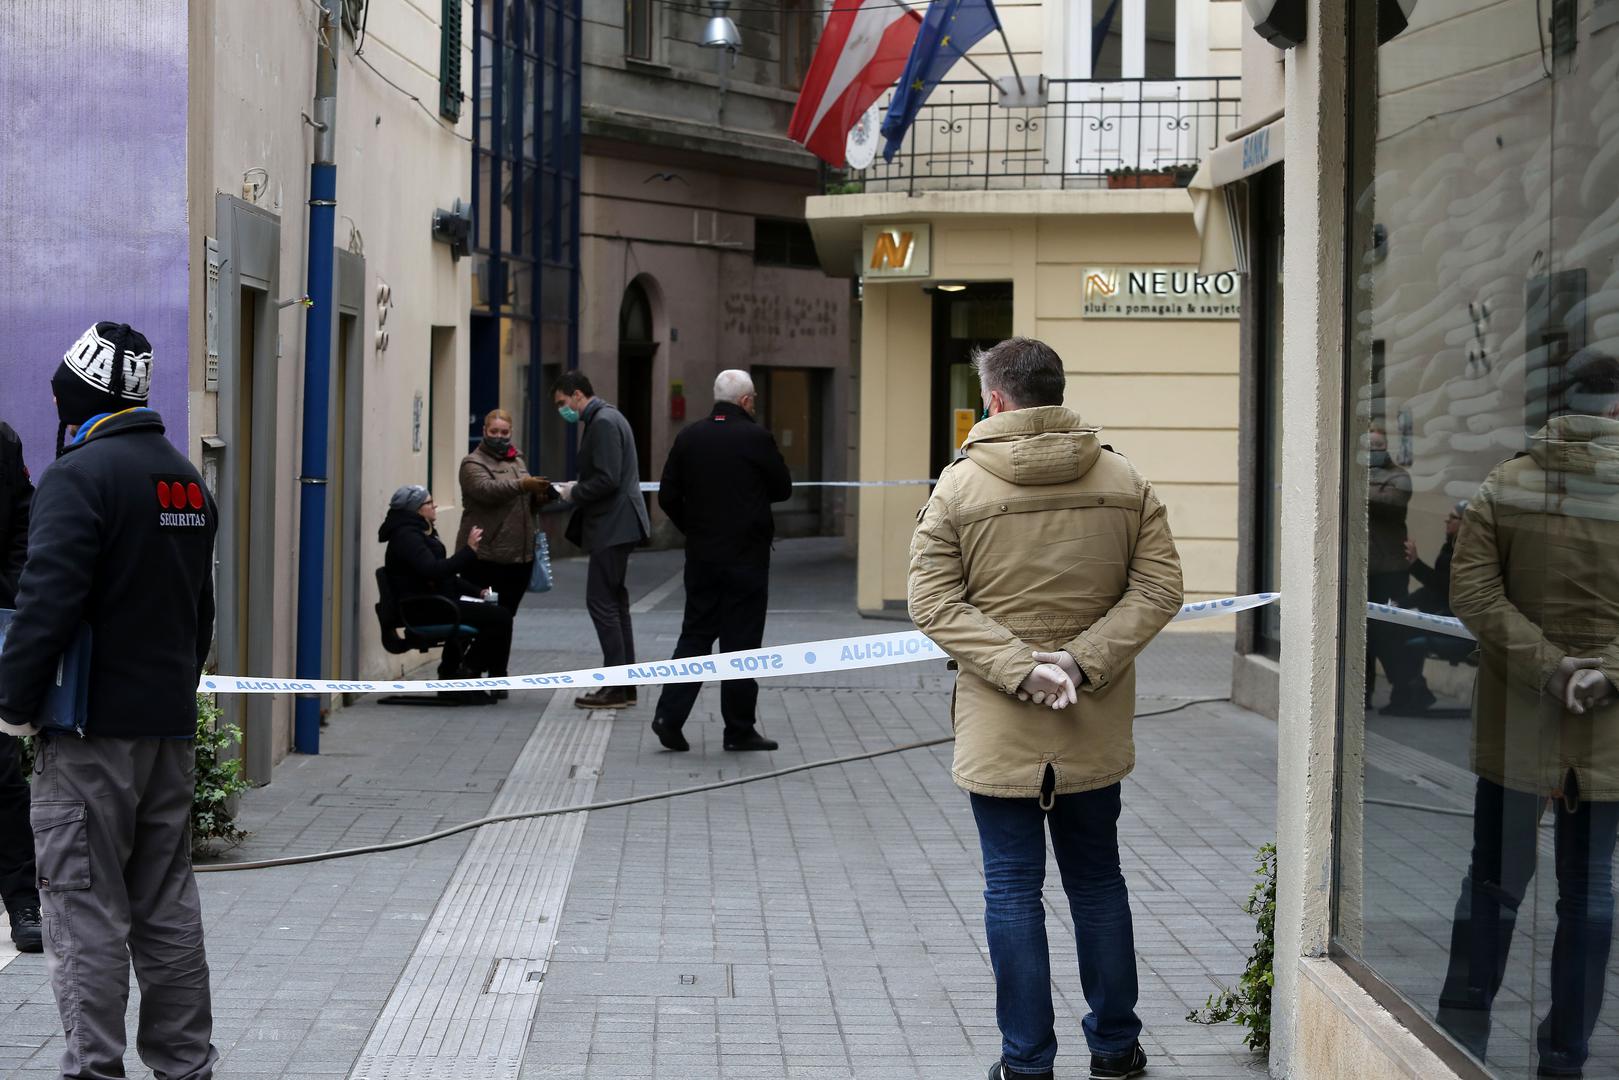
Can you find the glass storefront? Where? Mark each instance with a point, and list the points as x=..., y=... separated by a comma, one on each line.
x=1479, y=771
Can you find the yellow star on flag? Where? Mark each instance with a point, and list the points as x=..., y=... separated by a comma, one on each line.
x=945, y=40
x=917, y=85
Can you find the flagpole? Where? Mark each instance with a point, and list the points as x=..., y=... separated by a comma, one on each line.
x=1009, y=56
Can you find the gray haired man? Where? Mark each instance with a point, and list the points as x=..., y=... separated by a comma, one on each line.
x=1043, y=564
x=722, y=475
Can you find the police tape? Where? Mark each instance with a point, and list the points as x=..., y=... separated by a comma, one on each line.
x=779, y=661
x=802, y=658
x=653, y=485
x=1448, y=625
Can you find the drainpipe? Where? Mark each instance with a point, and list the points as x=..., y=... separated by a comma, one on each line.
x=317, y=374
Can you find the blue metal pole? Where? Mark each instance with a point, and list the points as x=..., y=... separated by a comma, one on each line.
x=317, y=397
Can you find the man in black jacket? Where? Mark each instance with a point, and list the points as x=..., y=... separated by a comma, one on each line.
x=16, y=839
x=609, y=519
x=721, y=477
x=120, y=540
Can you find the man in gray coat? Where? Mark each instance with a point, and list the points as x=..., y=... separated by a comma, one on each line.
x=609, y=519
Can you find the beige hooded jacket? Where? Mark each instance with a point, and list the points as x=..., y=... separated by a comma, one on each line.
x=1534, y=579
x=1041, y=538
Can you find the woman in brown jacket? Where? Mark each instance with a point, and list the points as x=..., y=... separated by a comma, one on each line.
x=501, y=498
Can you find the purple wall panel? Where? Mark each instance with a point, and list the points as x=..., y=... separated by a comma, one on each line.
x=92, y=194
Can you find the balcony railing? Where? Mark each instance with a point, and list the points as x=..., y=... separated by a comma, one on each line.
x=1130, y=128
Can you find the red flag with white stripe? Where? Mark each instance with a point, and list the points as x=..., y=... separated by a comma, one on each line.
x=863, y=49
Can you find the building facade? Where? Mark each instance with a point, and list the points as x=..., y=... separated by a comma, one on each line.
x=1433, y=325
x=695, y=256
x=1052, y=209
x=202, y=243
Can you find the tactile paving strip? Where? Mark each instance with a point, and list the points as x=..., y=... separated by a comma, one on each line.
x=466, y=1000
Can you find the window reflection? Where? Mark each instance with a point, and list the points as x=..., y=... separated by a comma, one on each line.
x=1480, y=733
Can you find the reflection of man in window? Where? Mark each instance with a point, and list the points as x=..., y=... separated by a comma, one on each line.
x=1534, y=578
x=1388, y=578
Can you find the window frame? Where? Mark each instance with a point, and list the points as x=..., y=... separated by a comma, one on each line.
x=798, y=45
x=1191, y=39
x=654, y=27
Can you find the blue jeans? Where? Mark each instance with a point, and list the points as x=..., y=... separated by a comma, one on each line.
x=1505, y=837
x=1084, y=834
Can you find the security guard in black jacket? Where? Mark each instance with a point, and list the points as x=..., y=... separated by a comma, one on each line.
x=121, y=541
x=721, y=477
x=16, y=839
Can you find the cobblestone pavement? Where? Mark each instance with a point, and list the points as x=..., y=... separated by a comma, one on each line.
x=823, y=925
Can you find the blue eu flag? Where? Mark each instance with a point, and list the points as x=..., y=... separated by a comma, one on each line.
x=949, y=29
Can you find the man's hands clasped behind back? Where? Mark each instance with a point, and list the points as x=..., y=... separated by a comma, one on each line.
x=1054, y=681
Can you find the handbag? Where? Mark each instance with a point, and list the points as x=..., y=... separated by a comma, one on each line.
x=539, y=579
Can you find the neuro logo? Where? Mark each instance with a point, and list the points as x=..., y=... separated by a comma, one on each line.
x=892, y=250
x=181, y=503
x=1101, y=284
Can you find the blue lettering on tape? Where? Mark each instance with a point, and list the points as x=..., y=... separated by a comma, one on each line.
x=767, y=662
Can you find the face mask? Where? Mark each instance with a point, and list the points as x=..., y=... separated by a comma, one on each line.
x=497, y=447
x=568, y=413
x=1377, y=459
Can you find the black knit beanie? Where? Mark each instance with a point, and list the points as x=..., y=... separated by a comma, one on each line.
x=108, y=369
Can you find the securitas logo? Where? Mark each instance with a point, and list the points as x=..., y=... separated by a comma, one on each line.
x=180, y=503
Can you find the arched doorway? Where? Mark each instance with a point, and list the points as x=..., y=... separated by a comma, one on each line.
x=636, y=349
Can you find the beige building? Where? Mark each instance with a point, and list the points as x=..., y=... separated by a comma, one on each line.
x=399, y=313
x=1446, y=235
x=1062, y=218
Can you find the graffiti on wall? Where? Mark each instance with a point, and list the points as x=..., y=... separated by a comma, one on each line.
x=87, y=243
x=771, y=320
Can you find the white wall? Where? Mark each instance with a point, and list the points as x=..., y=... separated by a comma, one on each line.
x=395, y=165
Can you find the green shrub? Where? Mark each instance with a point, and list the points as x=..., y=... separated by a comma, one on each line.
x=1249, y=1003
x=219, y=781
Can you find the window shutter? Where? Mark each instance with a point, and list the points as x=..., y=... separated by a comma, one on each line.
x=449, y=62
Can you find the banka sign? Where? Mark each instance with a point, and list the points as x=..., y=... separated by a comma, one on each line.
x=897, y=251
x=1160, y=292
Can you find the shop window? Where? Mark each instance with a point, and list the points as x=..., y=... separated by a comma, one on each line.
x=1266, y=192
x=1478, y=810
x=778, y=242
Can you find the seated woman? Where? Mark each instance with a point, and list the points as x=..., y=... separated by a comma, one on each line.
x=418, y=566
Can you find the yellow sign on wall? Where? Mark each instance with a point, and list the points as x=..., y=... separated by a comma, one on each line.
x=897, y=251
x=965, y=419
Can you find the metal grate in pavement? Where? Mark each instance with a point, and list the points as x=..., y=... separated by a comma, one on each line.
x=466, y=1000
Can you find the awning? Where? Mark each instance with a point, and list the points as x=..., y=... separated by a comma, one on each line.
x=1215, y=212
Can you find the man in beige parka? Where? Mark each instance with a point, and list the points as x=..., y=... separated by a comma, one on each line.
x=1042, y=565
x=1533, y=579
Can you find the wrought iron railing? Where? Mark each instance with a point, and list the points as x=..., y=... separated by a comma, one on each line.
x=1119, y=133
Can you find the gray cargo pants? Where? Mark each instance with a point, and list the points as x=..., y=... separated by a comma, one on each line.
x=112, y=839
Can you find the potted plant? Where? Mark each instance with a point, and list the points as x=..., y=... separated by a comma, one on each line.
x=1133, y=176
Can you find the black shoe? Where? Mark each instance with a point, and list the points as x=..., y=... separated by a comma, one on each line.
x=998, y=1071
x=26, y=932
x=1561, y=1065
x=751, y=740
x=500, y=695
x=608, y=697
x=669, y=735
x=1119, y=1066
